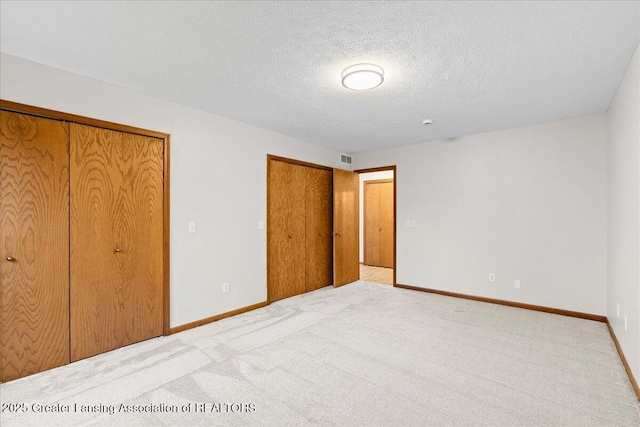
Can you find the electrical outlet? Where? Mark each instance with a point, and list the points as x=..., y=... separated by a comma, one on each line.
x=516, y=284
x=225, y=288
x=625, y=322
x=414, y=223
x=260, y=225
x=618, y=309
x=492, y=277
x=192, y=227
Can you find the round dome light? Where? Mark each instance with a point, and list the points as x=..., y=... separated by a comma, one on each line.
x=362, y=76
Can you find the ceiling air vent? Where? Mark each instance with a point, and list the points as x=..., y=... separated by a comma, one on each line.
x=345, y=159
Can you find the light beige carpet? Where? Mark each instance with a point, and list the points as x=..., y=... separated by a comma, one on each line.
x=362, y=354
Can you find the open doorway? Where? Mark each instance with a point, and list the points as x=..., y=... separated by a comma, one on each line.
x=377, y=225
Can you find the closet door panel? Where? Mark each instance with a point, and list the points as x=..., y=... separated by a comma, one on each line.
x=116, y=239
x=286, y=230
x=143, y=232
x=34, y=244
x=318, y=224
x=371, y=223
x=96, y=297
x=386, y=224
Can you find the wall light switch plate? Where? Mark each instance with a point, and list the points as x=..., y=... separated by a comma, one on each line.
x=414, y=223
x=225, y=288
x=260, y=225
x=625, y=323
x=516, y=284
x=407, y=223
x=192, y=226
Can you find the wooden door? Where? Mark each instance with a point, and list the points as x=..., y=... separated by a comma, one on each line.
x=116, y=239
x=371, y=223
x=379, y=223
x=318, y=224
x=387, y=222
x=34, y=244
x=345, y=227
x=285, y=230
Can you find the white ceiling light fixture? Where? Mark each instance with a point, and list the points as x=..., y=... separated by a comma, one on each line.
x=362, y=76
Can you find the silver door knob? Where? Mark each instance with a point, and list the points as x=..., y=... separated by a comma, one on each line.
x=10, y=258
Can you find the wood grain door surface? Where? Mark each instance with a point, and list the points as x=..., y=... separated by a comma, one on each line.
x=116, y=239
x=34, y=244
x=346, y=244
x=371, y=216
x=379, y=223
x=286, y=230
x=318, y=223
x=387, y=222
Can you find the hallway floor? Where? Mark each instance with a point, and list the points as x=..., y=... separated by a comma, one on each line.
x=381, y=275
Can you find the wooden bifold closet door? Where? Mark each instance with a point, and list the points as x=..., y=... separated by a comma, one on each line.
x=319, y=241
x=286, y=230
x=34, y=244
x=84, y=245
x=116, y=239
x=299, y=229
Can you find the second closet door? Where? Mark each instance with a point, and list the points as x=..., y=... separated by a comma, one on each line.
x=318, y=225
x=116, y=239
x=286, y=230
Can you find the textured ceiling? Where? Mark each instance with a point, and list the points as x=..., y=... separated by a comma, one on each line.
x=470, y=66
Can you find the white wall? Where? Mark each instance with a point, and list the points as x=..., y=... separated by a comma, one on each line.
x=526, y=203
x=623, y=270
x=218, y=178
x=370, y=176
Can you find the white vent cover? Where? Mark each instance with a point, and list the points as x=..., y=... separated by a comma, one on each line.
x=345, y=159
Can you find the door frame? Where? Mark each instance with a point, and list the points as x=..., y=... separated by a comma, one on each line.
x=395, y=216
x=268, y=221
x=165, y=137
